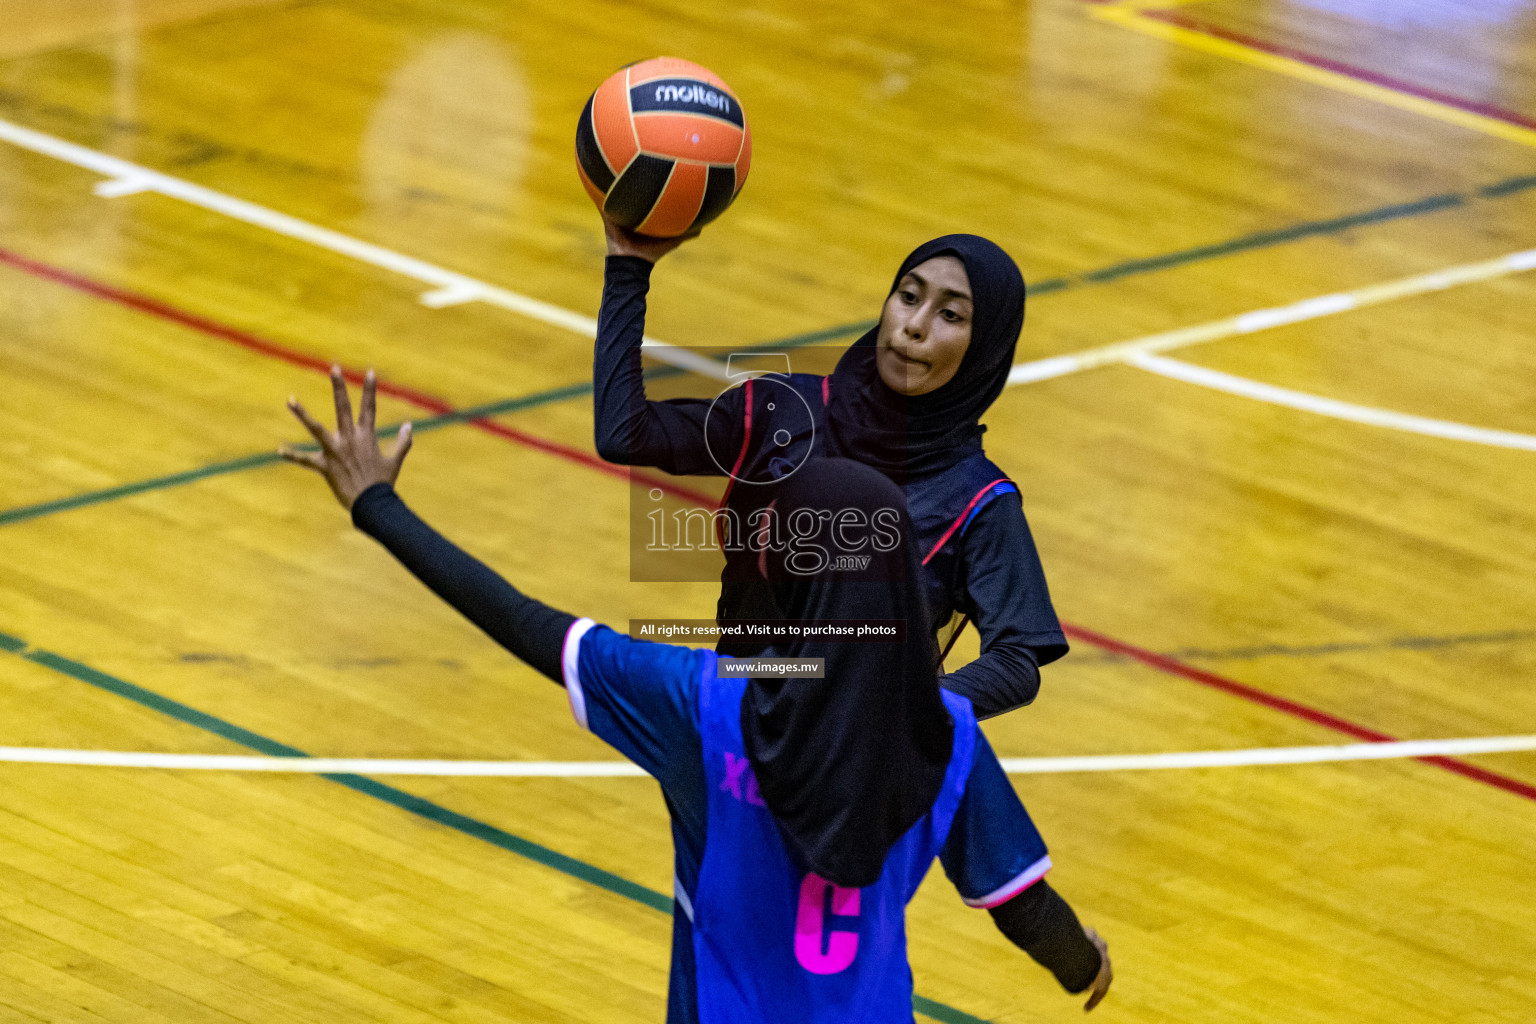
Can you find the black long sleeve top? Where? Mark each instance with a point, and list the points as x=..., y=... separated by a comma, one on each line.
x=1000, y=585
x=531, y=630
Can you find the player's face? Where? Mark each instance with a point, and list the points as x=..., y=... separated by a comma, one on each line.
x=925, y=327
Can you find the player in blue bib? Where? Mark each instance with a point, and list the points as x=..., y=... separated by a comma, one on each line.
x=805, y=810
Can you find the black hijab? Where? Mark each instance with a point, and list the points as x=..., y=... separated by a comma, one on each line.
x=898, y=434
x=848, y=763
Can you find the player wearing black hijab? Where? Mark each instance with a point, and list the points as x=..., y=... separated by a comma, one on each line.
x=805, y=812
x=978, y=558
x=842, y=797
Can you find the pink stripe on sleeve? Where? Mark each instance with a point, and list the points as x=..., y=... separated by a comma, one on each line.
x=1023, y=880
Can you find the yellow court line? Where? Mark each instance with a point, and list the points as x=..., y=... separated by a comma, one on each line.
x=1130, y=16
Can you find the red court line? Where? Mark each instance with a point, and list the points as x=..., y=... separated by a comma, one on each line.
x=1173, y=666
x=1162, y=662
x=1489, y=110
x=273, y=350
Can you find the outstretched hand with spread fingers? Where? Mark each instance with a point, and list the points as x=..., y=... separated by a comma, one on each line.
x=349, y=457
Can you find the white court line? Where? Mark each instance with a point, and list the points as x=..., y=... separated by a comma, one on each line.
x=319, y=765
x=1269, y=755
x=1219, y=381
x=1264, y=319
x=449, y=288
x=452, y=288
x=624, y=769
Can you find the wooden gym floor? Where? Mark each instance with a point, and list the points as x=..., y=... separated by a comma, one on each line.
x=1299, y=528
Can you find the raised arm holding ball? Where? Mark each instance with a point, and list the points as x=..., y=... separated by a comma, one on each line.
x=906, y=398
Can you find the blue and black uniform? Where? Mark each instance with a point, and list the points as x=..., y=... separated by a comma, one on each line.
x=979, y=561
x=743, y=931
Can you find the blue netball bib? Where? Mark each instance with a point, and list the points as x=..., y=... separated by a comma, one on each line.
x=773, y=943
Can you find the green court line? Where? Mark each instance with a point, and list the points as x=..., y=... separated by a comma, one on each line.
x=1103, y=275
x=405, y=801
x=943, y=1011
x=1292, y=233
x=46, y=508
x=25, y=512
x=1268, y=239
x=1507, y=187
x=539, y=854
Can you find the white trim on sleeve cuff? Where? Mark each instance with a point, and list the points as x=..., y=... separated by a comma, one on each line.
x=1023, y=880
x=569, y=652
x=680, y=897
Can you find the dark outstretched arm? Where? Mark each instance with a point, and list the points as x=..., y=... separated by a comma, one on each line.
x=1041, y=923
x=629, y=429
x=530, y=629
x=1004, y=589
x=362, y=477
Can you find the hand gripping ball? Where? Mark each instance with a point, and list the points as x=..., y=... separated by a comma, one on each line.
x=663, y=147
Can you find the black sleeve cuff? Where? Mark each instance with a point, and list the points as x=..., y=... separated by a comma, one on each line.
x=1004, y=678
x=1041, y=923
x=628, y=269
x=368, y=508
